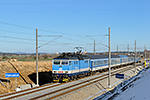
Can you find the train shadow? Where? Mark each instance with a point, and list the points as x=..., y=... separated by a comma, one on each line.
x=44, y=77
x=4, y=80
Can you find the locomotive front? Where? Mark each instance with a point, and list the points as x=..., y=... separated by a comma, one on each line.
x=69, y=66
x=60, y=69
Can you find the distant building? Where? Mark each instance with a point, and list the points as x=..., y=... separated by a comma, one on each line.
x=13, y=60
x=146, y=53
x=56, y=53
x=85, y=51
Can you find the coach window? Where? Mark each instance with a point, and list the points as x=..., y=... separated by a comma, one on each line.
x=112, y=61
x=69, y=62
x=126, y=60
x=93, y=63
x=104, y=61
x=98, y=62
x=101, y=62
x=76, y=62
x=86, y=61
x=118, y=60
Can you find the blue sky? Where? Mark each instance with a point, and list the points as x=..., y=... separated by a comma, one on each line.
x=79, y=22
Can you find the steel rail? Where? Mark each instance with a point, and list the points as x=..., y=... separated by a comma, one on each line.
x=13, y=93
x=44, y=87
x=104, y=77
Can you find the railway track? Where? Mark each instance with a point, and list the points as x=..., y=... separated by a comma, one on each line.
x=51, y=91
x=72, y=88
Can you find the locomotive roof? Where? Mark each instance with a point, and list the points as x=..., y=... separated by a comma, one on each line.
x=102, y=56
x=71, y=57
x=82, y=57
x=123, y=56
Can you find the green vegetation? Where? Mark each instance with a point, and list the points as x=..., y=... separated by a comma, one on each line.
x=43, y=57
x=34, y=59
x=5, y=57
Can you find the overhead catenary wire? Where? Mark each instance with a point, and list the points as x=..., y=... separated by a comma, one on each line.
x=61, y=33
x=92, y=10
x=66, y=35
x=46, y=31
x=27, y=28
x=16, y=42
x=48, y=35
x=50, y=41
x=33, y=40
x=32, y=28
x=66, y=2
x=18, y=38
x=17, y=25
x=6, y=31
x=97, y=41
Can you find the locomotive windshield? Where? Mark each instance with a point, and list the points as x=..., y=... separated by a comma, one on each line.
x=57, y=62
x=64, y=62
x=60, y=62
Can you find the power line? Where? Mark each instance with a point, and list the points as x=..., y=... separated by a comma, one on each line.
x=68, y=2
x=41, y=35
x=16, y=32
x=16, y=42
x=40, y=30
x=17, y=38
x=17, y=25
x=49, y=35
x=98, y=42
x=96, y=35
x=33, y=40
x=34, y=28
x=93, y=10
x=75, y=39
x=50, y=41
x=68, y=33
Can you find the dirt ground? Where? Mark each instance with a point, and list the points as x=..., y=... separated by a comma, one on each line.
x=27, y=71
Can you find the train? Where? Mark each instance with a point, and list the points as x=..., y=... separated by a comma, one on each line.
x=70, y=66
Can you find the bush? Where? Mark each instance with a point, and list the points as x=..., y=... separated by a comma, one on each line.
x=5, y=57
x=45, y=56
x=13, y=57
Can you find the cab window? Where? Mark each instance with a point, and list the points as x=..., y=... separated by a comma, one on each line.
x=69, y=62
x=64, y=62
x=56, y=62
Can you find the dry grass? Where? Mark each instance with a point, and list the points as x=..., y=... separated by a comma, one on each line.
x=25, y=69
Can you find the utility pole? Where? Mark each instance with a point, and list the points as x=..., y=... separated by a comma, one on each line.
x=135, y=56
x=94, y=47
x=117, y=49
x=109, y=77
x=139, y=52
x=128, y=48
x=37, y=74
x=145, y=51
x=149, y=59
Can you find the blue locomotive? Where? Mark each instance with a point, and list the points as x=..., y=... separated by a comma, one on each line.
x=72, y=66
